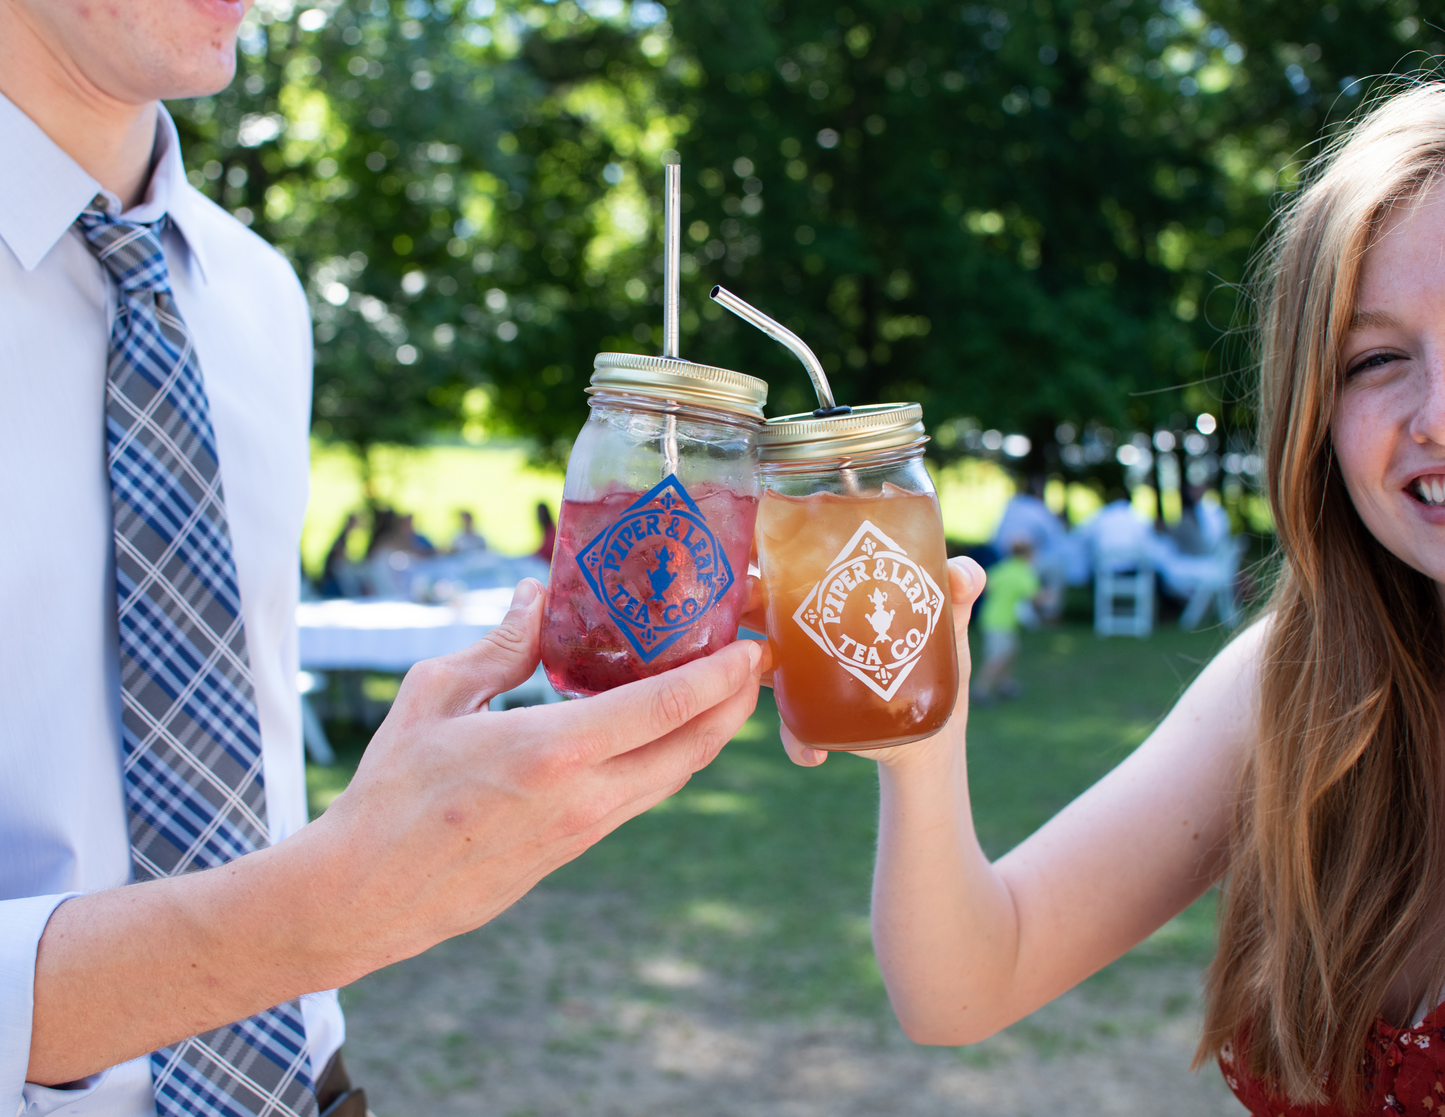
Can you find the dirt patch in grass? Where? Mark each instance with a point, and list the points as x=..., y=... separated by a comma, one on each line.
x=549, y=1012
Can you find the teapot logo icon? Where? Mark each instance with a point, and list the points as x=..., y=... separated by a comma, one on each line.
x=662, y=577
x=880, y=620
x=873, y=570
x=657, y=568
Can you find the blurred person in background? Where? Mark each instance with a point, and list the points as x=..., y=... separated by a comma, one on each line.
x=1014, y=591
x=1026, y=516
x=467, y=539
x=1203, y=525
x=336, y=573
x=1196, y=551
x=394, y=532
x=383, y=532
x=1117, y=535
x=549, y=532
x=415, y=541
x=420, y=543
x=171, y=927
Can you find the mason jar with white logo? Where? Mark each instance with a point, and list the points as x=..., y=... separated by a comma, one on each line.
x=650, y=566
x=850, y=545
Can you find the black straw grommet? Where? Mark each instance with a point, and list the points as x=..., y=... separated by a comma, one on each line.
x=832, y=412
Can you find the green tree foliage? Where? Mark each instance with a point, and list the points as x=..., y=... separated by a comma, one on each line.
x=446, y=181
x=1025, y=213
x=1022, y=213
x=962, y=205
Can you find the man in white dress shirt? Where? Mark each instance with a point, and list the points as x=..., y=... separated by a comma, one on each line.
x=454, y=813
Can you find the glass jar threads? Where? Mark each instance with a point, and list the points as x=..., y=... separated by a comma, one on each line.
x=850, y=544
x=658, y=509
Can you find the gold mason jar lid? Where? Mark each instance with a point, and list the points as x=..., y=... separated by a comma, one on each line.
x=874, y=426
x=684, y=382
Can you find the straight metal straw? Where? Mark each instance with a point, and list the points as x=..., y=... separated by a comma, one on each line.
x=784, y=336
x=671, y=297
x=671, y=252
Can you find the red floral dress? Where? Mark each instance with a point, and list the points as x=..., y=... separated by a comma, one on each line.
x=1404, y=1074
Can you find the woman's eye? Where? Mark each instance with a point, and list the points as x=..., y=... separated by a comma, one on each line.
x=1374, y=360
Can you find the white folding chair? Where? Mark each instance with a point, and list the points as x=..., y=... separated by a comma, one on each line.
x=1123, y=594
x=1217, y=587
x=313, y=735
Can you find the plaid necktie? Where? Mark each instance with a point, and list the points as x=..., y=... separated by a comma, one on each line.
x=190, y=734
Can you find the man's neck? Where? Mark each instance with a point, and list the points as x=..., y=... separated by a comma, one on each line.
x=112, y=140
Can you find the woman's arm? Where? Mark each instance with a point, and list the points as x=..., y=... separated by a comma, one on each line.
x=967, y=947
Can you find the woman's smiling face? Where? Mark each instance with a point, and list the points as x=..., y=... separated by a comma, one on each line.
x=1389, y=426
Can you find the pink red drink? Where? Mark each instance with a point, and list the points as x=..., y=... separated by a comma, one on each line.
x=642, y=582
x=650, y=566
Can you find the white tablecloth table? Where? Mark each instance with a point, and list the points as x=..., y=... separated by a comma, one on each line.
x=347, y=634
x=389, y=636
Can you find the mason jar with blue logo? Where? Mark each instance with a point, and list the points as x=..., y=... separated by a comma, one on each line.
x=650, y=565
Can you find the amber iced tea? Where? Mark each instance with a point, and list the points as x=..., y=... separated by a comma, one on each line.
x=859, y=616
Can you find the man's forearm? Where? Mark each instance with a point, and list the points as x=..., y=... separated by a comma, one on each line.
x=129, y=970
x=453, y=814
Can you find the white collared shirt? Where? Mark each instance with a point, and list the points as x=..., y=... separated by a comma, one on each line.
x=62, y=804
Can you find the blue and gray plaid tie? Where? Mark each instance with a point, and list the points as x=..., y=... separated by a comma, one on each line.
x=190, y=734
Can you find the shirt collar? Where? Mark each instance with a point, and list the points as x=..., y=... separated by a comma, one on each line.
x=169, y=193
x=46, y=190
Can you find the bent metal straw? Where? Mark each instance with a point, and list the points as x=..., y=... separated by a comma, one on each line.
x=784, y=336
x=827, y=407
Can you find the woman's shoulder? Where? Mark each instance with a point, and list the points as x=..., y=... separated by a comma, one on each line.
x=1229, y=683
x=1204, y=742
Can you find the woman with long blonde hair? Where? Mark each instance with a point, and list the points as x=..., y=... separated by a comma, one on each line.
x=1303, y=769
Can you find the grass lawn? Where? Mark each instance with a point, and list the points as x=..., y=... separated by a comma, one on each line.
x=760, y=871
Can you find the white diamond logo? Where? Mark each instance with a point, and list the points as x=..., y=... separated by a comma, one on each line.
x=873, y=611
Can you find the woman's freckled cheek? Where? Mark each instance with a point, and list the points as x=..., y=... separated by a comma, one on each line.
x=1363, y=448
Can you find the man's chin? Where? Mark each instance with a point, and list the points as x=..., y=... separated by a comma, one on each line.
x=202, y=83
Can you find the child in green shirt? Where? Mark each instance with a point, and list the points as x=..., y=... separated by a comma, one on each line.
x=1010, y=583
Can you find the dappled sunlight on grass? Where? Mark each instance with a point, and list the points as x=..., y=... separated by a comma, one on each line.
x=701, y=801
x=1087, y=703
x=716, y=802
x=719, y=915
x=754, y=729
x=671, y=973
